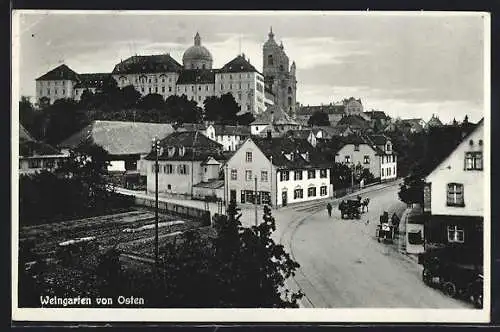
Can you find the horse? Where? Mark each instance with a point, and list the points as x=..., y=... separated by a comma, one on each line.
x=364, y=204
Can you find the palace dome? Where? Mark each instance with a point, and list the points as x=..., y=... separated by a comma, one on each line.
x=197, y=52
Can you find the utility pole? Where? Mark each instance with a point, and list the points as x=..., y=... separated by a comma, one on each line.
x=156, y=147
x=255, y=201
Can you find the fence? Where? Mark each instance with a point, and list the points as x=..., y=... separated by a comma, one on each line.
x=176, y=209
x=345, y=191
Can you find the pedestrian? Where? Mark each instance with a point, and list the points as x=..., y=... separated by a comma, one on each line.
x=329, y=208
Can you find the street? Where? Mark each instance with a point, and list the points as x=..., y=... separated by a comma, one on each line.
x=343, y=265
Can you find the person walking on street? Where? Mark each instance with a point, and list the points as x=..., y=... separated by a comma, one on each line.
x=329, y=208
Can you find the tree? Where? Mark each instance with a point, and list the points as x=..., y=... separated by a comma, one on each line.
x=87, y=166
x=27, y=115
x=180, y=109
x=412, y=190
x=341, y=175
x=221, y=109
x=129, y=96
x=318, y=118
x=152, y=101
x=245, y=119
x=61, y=120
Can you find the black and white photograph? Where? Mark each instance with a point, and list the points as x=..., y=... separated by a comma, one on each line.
x=189, y=166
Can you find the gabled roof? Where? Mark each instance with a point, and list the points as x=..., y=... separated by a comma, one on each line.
x=197, y=147
x=232, y=130
x=429, y=167
x=139, y=64
x=335, y=130
x=279, y=147
x=238, y=65
x=434, y=122
x=196, y=76
x=36, y=148
x=92, y=80
x=279, y=116
x=119, y=137
x=61, y=72
x=24, y=135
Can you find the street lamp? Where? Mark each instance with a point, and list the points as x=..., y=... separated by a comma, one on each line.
x=156, y=148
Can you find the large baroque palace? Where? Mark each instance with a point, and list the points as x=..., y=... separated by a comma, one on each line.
x=195, y=78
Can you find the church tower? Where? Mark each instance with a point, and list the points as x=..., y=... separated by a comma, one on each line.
x=279, y=76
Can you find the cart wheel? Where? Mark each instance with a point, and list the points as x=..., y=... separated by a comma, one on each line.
x=450, y=289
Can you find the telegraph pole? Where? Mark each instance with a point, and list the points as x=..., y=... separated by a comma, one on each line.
x=255, y=201
x=156, y=147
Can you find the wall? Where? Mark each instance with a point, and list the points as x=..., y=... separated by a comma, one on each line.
x=292, y=184
x=230, y=142
x=161, y=83
x=247, y=89
x=259, y=163
x=389, y=165
x=56, y=89
x=452, y=170
x=358, y=157
x=181, y=184
x=44, y=163
x=196, y=92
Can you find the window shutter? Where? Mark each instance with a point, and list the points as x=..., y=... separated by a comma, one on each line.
x=243, y=196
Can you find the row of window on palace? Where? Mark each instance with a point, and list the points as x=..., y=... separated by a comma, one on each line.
x=366, y=159
x=182, y=169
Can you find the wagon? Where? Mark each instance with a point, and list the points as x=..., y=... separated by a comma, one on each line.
x=350, y=209
x=385, y=232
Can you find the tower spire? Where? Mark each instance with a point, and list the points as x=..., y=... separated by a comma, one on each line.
x=271, y=34
x=197, y=39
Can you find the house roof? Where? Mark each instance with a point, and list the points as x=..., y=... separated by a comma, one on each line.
x=374, y=115
x=378, y=139
x=139, y=64
x=119, y=137
x=61, y=72
x=196, y=76
x=197, y=147
x=302, y=133
x=279, y=147
x=434, y=122
x=328, y=109
x=232, y=130
x=92, y=80
x=337, y=130
x=238, y=65
x=279, y=116
x=354, y=121
x=192, y=127
x=24, y=135
x=36, y=148
x=427, y=168
x=214, y=184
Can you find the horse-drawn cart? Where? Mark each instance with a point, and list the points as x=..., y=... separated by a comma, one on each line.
x=350, y=208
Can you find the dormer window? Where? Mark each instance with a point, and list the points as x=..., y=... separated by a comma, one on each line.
x=171, y=151
x=182, y=151
x=388, y=147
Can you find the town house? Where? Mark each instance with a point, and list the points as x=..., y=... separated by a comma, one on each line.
x=374, y=153
x=188, y=166
x=454, y=201
x=286, y=171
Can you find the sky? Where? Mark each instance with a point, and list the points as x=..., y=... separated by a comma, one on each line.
x=410, y=66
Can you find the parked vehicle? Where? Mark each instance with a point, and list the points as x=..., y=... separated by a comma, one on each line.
x=350, y=208
x=385, y=232
x=444, y=269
